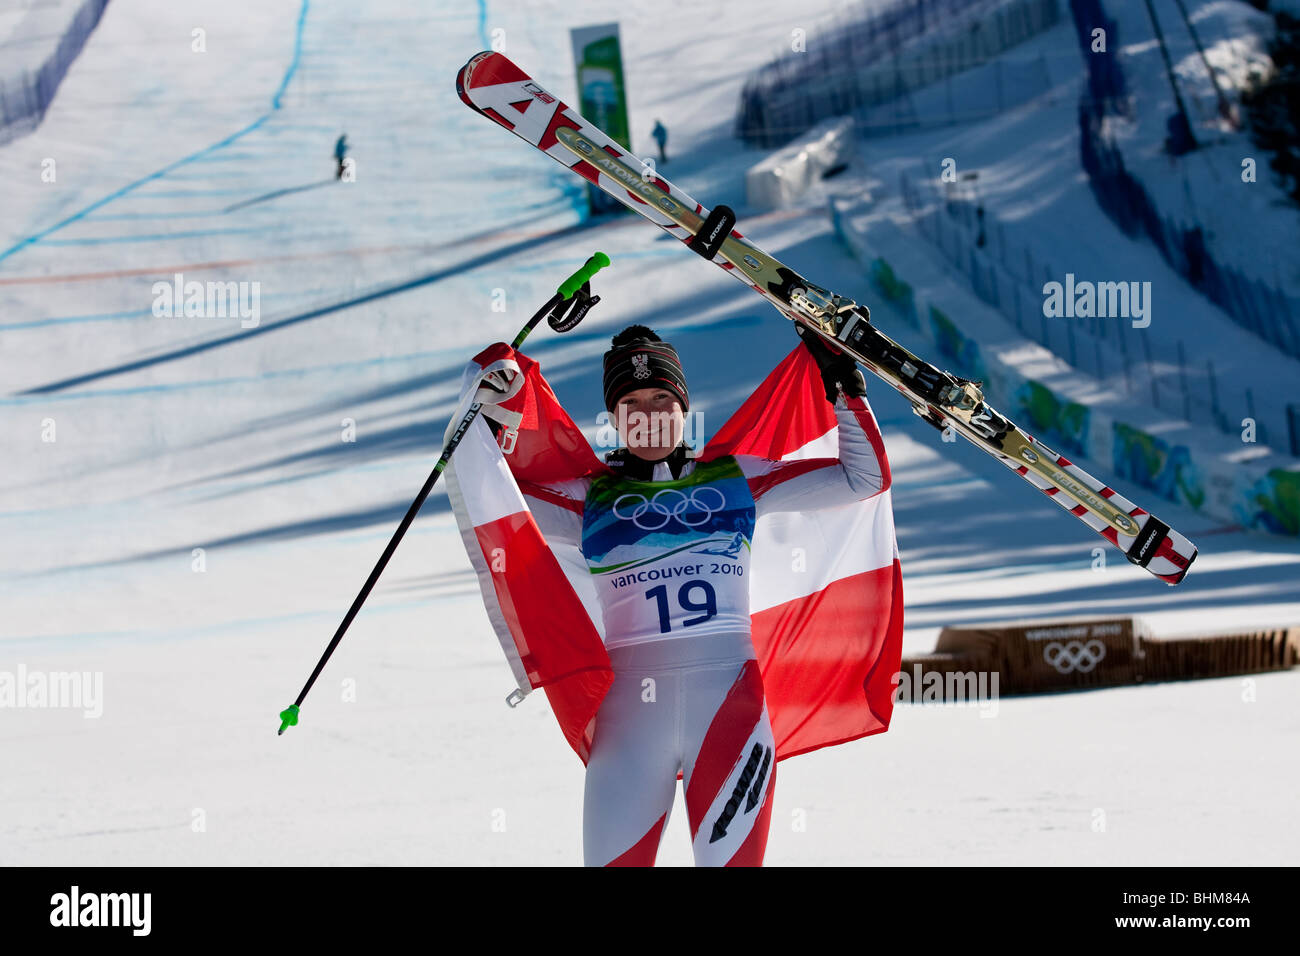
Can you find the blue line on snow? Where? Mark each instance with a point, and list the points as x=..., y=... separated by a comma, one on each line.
x=416, y=359
x=227, y=158
x=128, y=216
x=159, y=237
x=297, y=55
x=193, y=157
x=205, y=177
x=136, y=313
x=574, y=193
x=190, y=193
x=61, y=320
x=484, y=42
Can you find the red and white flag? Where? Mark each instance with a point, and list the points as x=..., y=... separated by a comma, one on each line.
x=826, y=594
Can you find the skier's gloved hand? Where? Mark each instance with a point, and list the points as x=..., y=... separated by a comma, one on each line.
x=839, y=371
x=494, y=387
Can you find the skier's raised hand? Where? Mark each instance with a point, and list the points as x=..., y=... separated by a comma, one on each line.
x=496, y=387
x=839, y=371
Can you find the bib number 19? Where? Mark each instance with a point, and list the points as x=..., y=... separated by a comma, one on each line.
x=688, y=598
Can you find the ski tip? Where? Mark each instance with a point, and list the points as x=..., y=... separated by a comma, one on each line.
x=288, y=718
x=1183, y=574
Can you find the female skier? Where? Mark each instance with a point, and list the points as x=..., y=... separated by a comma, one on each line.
x=667, y=539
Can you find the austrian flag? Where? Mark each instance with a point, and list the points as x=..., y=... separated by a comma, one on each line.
x=825, y=586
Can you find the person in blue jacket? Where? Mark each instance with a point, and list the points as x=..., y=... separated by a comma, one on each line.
x=340, y=153
x=660, y=134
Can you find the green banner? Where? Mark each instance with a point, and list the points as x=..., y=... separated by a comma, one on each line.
x=602, y=94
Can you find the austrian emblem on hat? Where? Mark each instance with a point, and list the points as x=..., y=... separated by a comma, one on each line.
x=640, y=368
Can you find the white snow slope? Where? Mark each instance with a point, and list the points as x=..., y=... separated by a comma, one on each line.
x=175, y=434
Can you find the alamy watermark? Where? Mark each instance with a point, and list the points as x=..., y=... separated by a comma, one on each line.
x=76, y=908
x=1101, y=300
x=208, y=300
x=71, y=690
x=653, y=429
x=957, y=688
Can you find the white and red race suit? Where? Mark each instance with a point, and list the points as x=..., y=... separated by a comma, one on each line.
x=669, y=554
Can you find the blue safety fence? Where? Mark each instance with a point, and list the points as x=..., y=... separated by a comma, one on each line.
x=879, y=55
x=1258, y=306
x=1011, y=275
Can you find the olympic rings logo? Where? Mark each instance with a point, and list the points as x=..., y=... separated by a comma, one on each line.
x=691, y=510
x=1074, y=655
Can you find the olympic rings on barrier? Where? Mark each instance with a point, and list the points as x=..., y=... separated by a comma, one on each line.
x=1074, y=655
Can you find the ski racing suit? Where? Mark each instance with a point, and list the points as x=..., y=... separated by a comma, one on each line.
x=669, y=550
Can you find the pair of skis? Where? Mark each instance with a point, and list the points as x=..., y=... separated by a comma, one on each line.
x=494, y=86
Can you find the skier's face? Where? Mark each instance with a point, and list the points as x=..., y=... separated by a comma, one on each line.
x=650, y=422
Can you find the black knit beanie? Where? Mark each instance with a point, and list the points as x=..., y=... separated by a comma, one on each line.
x=640, y=359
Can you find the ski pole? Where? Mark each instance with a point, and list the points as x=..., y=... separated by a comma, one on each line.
x=576, y=288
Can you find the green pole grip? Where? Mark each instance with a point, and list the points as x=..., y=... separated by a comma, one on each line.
x=589, y=269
